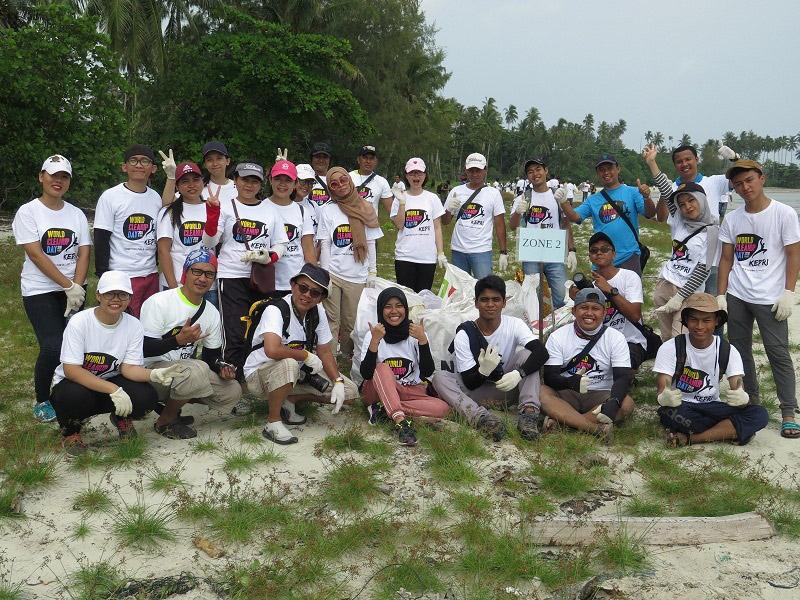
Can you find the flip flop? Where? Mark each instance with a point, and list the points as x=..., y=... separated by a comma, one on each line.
x=790, y=430
x=676, y=439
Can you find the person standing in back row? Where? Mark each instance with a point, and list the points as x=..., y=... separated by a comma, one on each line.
x=757, y=276
x=320, y=161
x=370, y=186
x=479, y=211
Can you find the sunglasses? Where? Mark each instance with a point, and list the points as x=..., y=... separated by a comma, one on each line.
x=600, y=250
x=313, y=292
x=201, y=273
x=119, y=295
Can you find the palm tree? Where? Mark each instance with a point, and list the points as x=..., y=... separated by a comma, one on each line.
x=511, y=116
x=685, y=140
x=658, y=140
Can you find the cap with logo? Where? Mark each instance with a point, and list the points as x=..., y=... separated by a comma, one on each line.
x=316, y=274
x=284, y=167
x=591, y=294
x=601, y=237
x=114, y=281
x=536, y=160
x=744, y=165
x=606, y=158
x=415, y=164
x=305, y=171
x=139, y=150
x=365, y=150
x=215, y=146
x=475, y=161
x=691, y=188
x=185, y=168
x=704, y=303
x=57, y=164
x=321, y=148
x=248, y=169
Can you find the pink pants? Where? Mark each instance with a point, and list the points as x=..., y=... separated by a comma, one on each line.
x=401, y=400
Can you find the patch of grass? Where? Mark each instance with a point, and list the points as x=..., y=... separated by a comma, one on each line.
x=350, y=485
x=353, y=439
x=165, y=481
x=563, y=479
x=93, y=581
x=245, y=514
x=640, y=428
x=284, y=578
x=11, y=591
x=472, y=505
x=9, y=502
x=451, y=451
x=88, y=461
x=205, y=445
x=641, y=506
x=566, y=444
x=143, y=526
x=438, y=511
x=535, y=505
x=125, y=452
x=93, y=499
x=786, y=520
x=80, y=531
x=623, y=551
x=32, y=471
x=253, y=438
x=413, y=575
x=314, y=538
x=240, y=460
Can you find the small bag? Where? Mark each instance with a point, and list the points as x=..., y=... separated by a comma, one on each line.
x=644, y=251
x=262, y=277
x=652, y=338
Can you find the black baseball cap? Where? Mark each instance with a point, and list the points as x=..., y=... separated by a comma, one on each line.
x=321, y=148
x=316, y=274
x=536, y=160
x=606, y=158
x=600, y=237
x=215, y=147
x=368, y=149
x=139, y=150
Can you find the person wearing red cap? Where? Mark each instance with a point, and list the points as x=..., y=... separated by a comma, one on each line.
x=297, y=222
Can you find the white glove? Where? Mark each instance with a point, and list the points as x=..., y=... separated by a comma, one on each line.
x=453, y=204
x=282, y=154
x=337, y=397
x=722, y=302
x=560, y=195
x=508, y=381
x=737, y=397
x=522, y=206
x=258, y=256
x=488, y=359
x=441, y=259
x=75, y=296
x=670, y=398
x=572, y=261
x=583, y=386
x=502, y=262
x=727, y=152
x=783, y=307
x=166, y=375
x=372, y=280
x=673, y=305
x=122, y=402
x=401, y=199
x=168, y=164
x=313, y=361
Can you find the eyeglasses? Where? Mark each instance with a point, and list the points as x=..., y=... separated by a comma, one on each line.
x=120, y=295
x=313, y=292
x=600, y=250
x=201, y=273
x=141, y=162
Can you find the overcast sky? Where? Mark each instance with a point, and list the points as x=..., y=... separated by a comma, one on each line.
x=697, y=66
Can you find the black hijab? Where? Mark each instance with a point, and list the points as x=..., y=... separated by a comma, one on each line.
x=394, y=333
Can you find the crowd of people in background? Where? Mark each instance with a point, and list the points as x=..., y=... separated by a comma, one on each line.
x=242, y=280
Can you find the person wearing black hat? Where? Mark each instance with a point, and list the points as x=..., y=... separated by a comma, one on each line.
x=536, y=207
x=370, y=186
x=321, y=162
x=699, y=378
x=216, y=161
x=396, y=361
x=292, y=358
x=606, y=217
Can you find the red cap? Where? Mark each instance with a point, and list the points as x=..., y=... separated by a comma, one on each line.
x=185, y=168
x=284, y=167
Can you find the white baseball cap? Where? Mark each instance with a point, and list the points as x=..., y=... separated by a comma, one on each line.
x=57, y=164
x=114, y=281
x=304, y=171
x=415, y=164
x=475, y=161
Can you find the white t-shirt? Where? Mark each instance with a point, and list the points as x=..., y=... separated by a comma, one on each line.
x=521, y=184
x=416, y=241
x=312, y=210
x=59, y=232
x=131, y=217
x=684, y=258
x=402, y=358
x=185, y=238
x=543, y=213
x=610, y=351
x=165, y=313
x=335, y=226
x=716, y=187
x=475, y=220
x=553, y=184
x=699, y=381
x=377, y=189
x=272, y=322
x=513, y=332
x=319, y=195
x=629, y=286
x=571, y=189
x=260, y=225
x=98, y=348
x=297, y=223
x=758, y=275
x=227, y=192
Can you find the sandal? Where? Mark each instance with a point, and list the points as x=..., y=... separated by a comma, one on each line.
x=676, y=439
x=176, y=430
x=549, y=425
x=605, y=433
x=790, y=430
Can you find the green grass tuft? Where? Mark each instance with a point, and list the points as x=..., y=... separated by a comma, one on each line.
x=535, y=505
x=623, y=551
x=205, y=446
x=9, y=502
x=126, y=452
x=93, y=499
x=142, y=526
x=350, y=485
x=352, y=439
x=640, y=506
x=98, y=580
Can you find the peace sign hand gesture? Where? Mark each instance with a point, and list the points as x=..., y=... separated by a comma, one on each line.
x=168, y=164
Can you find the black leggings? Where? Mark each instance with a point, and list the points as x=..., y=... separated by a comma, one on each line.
x=235, y=298
x=417, y=276
x=75, y=403
x=46, y=314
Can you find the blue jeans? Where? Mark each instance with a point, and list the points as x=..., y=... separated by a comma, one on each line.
x=212, y=296
x=477, y=264
x=556, y=275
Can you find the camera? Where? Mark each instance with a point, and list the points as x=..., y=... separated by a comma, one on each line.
x=308, y=377
x=581, y=281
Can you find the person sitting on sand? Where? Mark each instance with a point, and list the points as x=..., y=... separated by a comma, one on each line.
x=101, y=366
x=489, y=365
x=700, y=382
x=175, y=323
x=588, y=374
x=292, y=360
x=395, y=361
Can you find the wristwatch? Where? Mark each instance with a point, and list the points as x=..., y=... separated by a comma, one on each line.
x=613, y=292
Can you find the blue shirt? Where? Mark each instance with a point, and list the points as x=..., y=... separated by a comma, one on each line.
x=605, y=219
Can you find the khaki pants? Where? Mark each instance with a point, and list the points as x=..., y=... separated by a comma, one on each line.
x=341, y=306
x=276, y=374
x=202, y=385
x=669, y=323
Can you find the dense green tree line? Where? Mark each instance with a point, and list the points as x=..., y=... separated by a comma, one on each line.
x=87, y=77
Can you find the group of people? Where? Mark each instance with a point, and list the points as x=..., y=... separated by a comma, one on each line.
x=259, y=292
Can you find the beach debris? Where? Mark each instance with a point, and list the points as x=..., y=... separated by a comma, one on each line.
x=205, y=545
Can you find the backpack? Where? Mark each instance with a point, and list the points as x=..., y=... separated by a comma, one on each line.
x=253, y=318
x=680, y=356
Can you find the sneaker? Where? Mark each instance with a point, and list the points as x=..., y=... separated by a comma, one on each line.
x=406, y=433
x=175, y=430
x=44, y=412
x=377, y=413
x=277, y=432
x=73, y=445
x=528, y=424
x=185, y=419
x=242, y=408
x=492, y=427
x=124, y=426
x=289, y=415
